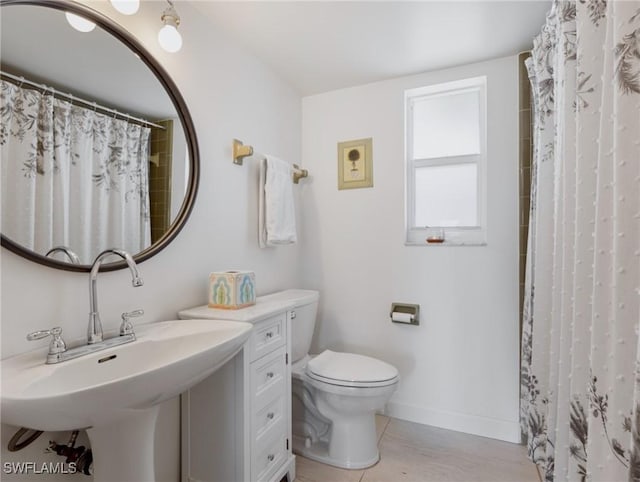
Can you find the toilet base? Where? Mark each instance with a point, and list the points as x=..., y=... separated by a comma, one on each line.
x=319, y=452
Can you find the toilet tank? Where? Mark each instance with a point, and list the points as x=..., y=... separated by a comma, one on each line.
x=305, y=307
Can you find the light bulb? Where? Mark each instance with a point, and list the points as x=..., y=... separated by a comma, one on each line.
x=126, y=7
x=169, y=38
x=81, y=24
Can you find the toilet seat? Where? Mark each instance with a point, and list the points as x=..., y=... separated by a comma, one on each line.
x=351, y=370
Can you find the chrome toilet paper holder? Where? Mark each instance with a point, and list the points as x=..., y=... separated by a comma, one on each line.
x=399, y=312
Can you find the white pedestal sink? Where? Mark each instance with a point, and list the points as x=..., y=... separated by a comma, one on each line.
x=114, y=393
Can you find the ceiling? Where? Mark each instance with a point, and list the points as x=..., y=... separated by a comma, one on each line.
x=318, y=46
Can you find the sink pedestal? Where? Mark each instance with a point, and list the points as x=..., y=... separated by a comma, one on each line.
x=124, y=450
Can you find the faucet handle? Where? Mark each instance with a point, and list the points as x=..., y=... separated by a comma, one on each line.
x=57, y=344
x=126, y=327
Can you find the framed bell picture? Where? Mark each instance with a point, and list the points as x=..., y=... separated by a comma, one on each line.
x=355, y=164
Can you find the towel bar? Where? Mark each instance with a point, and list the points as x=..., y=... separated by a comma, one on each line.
x=299, y=173
x=240, y=151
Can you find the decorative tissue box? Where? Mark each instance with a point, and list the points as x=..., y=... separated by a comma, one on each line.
x=231, y=290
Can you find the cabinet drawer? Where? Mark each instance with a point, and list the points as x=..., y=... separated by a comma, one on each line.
x=267, y=336
x=267, y=419
x=268, y=379
x=269, y=456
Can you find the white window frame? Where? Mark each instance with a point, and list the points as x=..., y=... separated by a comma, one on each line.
x=459, y=235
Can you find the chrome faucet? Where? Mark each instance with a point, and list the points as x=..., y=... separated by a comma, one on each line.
x=58, y=351
x=94, y=331
x=73, y=257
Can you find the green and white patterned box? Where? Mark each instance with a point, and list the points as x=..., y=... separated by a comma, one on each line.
x=231, y=290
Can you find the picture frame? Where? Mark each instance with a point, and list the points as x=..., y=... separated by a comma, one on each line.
x=355, y=164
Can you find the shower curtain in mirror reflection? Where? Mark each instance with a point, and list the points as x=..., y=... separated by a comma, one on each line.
x=71, y=176
x=580, y=371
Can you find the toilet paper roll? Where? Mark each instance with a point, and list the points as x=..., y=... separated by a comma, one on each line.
x=402, y=317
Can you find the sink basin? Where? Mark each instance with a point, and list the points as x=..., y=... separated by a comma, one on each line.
x=113, y=393
x=167, y=358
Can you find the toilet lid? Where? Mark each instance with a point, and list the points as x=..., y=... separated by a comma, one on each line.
x=350, y=368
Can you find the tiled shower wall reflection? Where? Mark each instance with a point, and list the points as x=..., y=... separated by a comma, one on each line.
x=526, y=149
x=160, y=178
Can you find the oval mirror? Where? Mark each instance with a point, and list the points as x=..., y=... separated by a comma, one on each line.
x=98, y=148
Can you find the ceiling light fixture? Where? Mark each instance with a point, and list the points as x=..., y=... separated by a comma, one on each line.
x=81, y=24
x=126, y=7
x=168, y=37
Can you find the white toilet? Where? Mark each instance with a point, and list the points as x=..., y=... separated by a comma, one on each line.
x=335, y=395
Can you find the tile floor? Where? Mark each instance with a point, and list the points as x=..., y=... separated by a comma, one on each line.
x=411, y=452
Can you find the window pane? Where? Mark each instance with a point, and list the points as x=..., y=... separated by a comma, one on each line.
x=446, y=125
x=446, y=195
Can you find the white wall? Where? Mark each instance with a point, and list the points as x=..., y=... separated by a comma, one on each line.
x=459, y=368
x=229, y=94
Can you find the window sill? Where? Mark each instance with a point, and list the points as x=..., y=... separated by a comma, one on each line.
x=445, y=244
x=452, y=237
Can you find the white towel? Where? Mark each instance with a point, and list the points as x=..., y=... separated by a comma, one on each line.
x=277, y=219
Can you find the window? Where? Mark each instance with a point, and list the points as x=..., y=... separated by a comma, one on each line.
x=446, y=156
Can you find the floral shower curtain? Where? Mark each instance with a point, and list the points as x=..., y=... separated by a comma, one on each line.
x=580, y=374
x=71, y=176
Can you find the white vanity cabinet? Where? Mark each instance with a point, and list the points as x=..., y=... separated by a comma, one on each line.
x=236, y=424
x=269, y=399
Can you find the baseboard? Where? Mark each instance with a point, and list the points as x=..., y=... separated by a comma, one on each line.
x=471, y=424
